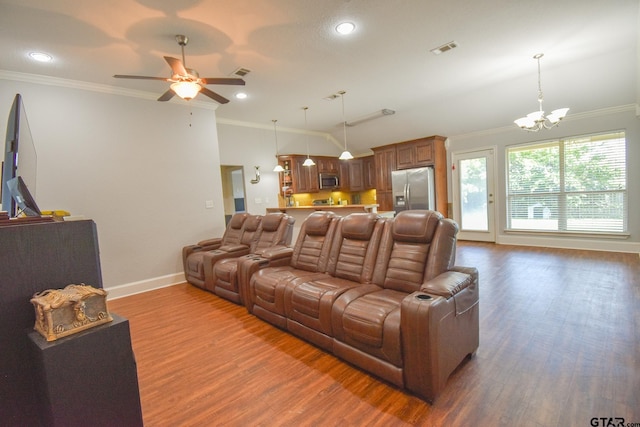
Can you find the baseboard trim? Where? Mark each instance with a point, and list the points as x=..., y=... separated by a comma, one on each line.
x=569, y=243
x=133, y=288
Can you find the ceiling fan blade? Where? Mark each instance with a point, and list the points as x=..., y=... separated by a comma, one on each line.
x=211, y=94
x=222, y=81
x=167, y=95
x=176, y=66
x=122, y=76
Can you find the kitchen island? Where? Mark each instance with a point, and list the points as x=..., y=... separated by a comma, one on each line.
x=300, y=213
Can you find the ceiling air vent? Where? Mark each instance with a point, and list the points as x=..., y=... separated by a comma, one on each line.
x=241, y=72
x=445, y=47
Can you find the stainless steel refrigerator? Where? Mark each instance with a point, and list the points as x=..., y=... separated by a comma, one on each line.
x=413, y=189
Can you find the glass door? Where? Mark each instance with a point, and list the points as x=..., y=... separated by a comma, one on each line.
x=473, y=195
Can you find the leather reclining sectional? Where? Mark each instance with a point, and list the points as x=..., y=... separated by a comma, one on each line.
x=245, y=235
x=380, y=293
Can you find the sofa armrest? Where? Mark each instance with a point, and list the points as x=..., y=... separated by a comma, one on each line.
x=451, y=284
x=234, y=249
x=436, y=338
x=274, y=253
x=210, y=244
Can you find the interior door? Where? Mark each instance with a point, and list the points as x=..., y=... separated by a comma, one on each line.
x=473, y=182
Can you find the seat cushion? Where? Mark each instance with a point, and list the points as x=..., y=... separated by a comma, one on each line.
x=267, y=286
x=371, y=323
x=309, y=300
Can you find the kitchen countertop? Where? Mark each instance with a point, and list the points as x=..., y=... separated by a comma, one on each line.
x=367, y=208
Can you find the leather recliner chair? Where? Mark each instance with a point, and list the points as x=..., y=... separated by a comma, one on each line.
x=275, y=232
x=193, y=255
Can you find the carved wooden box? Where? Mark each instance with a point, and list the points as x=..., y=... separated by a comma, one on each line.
x=62, y=312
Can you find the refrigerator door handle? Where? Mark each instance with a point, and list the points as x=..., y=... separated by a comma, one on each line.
x=408, y=195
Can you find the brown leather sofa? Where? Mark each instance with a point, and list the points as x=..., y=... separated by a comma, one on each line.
x=381, y=293
x=274, y=233
x=245, y=234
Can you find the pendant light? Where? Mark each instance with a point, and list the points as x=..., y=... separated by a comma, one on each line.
x=346, y=155
x=307, y=162
x=278, y=168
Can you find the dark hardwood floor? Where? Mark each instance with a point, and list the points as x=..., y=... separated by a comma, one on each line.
x=559, y=345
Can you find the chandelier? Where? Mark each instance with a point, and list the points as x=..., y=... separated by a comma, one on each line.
x=536, y=121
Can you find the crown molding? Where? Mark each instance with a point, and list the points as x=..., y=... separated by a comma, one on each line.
x=240, y=123
x=100, y=88
x=574, y=116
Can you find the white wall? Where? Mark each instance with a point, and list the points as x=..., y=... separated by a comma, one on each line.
x=141, y=169
x=251, y=146
x=622, y=118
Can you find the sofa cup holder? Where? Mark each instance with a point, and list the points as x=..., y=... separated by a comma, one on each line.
x=424, y=297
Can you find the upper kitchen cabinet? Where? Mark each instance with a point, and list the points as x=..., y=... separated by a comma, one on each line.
x=368, y=173
x=327, y=164
x=421, y=152
x=303, y=179
x=416, y=153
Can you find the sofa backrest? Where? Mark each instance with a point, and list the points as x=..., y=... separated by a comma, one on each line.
x=355, y=246
x=415, y=247
x=233, y=233
x=311, y=251
x=275, y=229
x=250, y=229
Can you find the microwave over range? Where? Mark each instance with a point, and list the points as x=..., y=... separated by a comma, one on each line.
x=329, y=181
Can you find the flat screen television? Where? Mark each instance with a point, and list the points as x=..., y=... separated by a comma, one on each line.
x=22, y=197
x=19, y=155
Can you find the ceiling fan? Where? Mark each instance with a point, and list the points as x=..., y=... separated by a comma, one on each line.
x=186, y=82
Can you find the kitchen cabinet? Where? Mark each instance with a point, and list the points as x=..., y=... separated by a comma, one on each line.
x=355, y=175
x=327, y=164
x=368, y=173
x=385, y=162
x=298, y=178
x=305, y=178
x=421, y=152
x=416, y=153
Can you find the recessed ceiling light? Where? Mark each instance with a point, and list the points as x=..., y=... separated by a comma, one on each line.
x=241, y=95
x=345, y=28
x=40, y=56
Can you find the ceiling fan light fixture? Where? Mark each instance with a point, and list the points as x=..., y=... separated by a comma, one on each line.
x=241, y=95
x=186, y=90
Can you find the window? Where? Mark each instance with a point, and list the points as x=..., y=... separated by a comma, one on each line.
x=573, y=185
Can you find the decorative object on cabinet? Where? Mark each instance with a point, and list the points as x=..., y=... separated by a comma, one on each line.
x=278, y=167
x=533, y=122
x=308, y=161
x=346, y=155
x=63, y=312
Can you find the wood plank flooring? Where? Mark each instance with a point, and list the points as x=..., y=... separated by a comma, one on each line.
x=559, y=345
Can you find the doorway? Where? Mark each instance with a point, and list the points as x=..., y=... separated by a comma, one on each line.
x=233, y=192
x=473, y=182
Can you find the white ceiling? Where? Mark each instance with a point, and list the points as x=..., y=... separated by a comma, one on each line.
x=296, y=58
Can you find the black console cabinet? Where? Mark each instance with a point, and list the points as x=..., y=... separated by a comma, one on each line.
x=88, y=379
x=33, y=258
